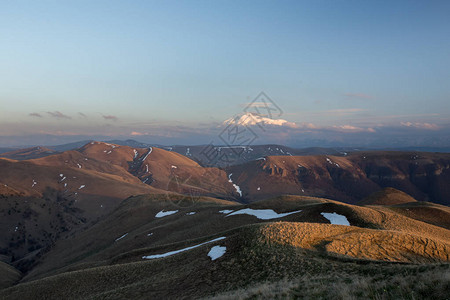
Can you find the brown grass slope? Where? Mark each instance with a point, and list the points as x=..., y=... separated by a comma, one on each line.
x=424, y=176
x=136, y=218
x=424, y=282
x=39, y=206
x=8, y=275
x=28, y=153
x=404, y=204
x=405, y=239
x=387, y=196
x=254, y=254
x=159, y=168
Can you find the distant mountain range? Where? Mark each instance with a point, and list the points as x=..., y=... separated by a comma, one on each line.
x=236, y=155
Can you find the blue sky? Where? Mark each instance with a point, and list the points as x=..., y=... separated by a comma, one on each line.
x=110, y=68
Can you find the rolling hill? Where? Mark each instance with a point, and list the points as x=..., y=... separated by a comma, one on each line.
x=149, y=247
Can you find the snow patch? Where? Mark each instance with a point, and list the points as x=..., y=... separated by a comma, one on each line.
x=174, y=167
x=150, y=234
x=336, y=219
x=262, y=214
x=191, y=213
x=226, y=211
x=81, y=186
x=34, y=183
x=238, y=189
x=258, y=189
x=181, y=250
x=79, y=166
x=119, y=238
x=216, y=252
x=150, y=149
x=165, y=213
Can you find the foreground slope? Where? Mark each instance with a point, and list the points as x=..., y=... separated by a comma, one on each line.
x=149, y=248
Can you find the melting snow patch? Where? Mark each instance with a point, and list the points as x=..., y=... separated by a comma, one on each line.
x=336, y=219
x=148, y=153
x=181, y=250
x=79, y=166
x=263, y=158
x=226, y=211
x=216, y=252
x=65, y=184
x=34, y=183
x=174, y=167
x=81, y=186
x=166, y=213
x=135, y=153
x=122, y=237
x=150, y=234
x=238, y=189
x=146, y=168
x=191, y=213
x=263, y=214
x=61, y=175
x=258, y=189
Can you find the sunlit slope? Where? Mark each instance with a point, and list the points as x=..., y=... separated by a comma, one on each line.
x=145, y=224
x=153, y=166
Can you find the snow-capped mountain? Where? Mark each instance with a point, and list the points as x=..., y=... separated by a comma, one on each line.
x=249, y=119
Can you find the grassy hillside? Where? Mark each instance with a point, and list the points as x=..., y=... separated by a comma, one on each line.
x=424, y=176
x=107, y=260
x=8, y=275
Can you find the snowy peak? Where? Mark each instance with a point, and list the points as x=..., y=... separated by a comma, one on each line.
x=250, y=119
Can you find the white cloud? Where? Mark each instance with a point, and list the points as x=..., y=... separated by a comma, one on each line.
x=428, y=126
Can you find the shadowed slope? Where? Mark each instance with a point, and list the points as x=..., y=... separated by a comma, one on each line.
x=424, y=176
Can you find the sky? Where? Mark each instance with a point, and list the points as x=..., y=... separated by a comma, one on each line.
x=371, y=73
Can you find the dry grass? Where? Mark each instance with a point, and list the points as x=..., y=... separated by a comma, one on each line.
x=272, y=270
x=8, y=275
x=432, y=283
x=358, y=242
